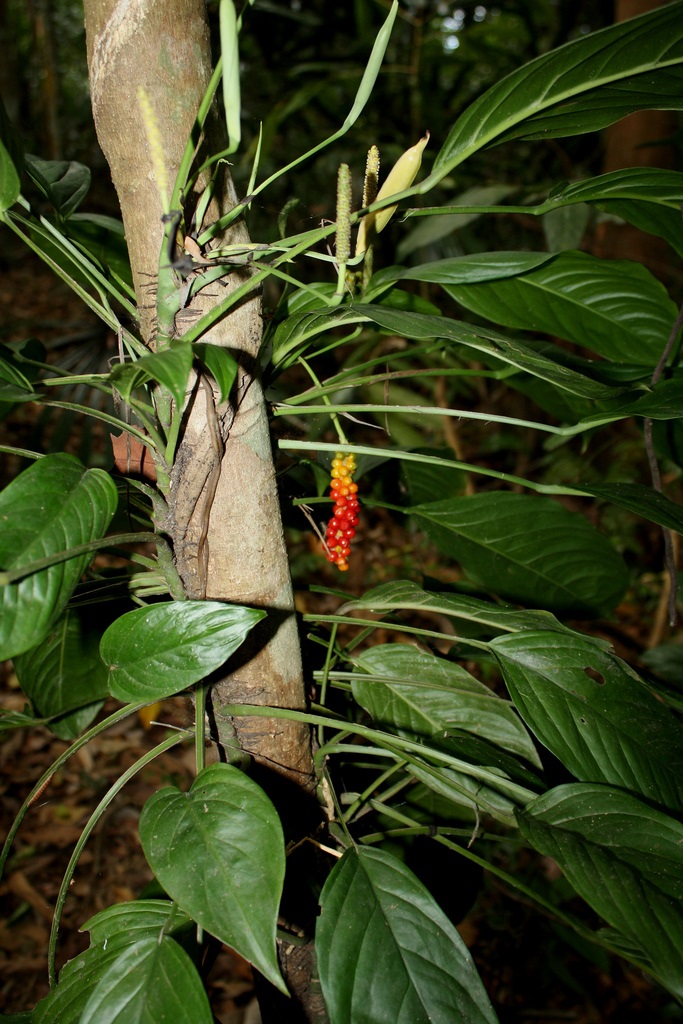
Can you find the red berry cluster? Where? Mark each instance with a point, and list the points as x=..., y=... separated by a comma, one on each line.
x=342, y=525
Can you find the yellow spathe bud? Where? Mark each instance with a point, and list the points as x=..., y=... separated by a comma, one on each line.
x=400, y=177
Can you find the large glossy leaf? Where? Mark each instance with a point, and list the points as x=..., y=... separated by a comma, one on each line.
x=159, y=650
x=112, y=932
x=528, y=549
x=594, y=714
x=625, y=859
x=386, y=952
x=53, y=506
x=413, y=690
x=152, y=980
x=581, y=87
x=612, y=307
x=295, y=333
x=65, y=672
x=218, y=851
x=488, y=342
x=483, y=617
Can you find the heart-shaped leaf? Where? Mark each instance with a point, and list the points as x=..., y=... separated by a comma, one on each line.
x=218, y=851
x=112, y=932
x=159, y=650
x=151, y=980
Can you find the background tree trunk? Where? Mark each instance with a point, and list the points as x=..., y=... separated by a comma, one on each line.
x=639, y=140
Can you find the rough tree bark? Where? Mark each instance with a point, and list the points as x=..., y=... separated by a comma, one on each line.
x=163, y=46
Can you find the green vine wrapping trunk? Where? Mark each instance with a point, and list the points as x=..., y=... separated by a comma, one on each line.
x=294, y=845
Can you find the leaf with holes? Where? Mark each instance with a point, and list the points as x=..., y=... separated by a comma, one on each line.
x=594, y=714
x=219, y=852
x=387, y=954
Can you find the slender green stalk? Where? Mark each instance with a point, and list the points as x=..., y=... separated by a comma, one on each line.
x=431, y=460
x=397, y=746
x=325, y=676
x=416, y=410
x=9, y=576
x=170, y=741
x=41, y=784
x=327, y=407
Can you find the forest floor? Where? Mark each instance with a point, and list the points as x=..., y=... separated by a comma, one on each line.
x=534, y=972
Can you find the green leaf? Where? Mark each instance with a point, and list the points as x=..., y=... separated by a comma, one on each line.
x=112, y=932
x=65, y=672
x=220, y=363
x=386, y=952
x=652, y=185
x=594, y=714
x=612, y=307
x=152, y=980
x=471, y=269
x=9, y=180
x=64, y=183
x=170, y=368
x=625, y=859
x=53, y=506
x=639, y=499
x=431, y=483
x=123, y=923
x=581, y=87
x=157, y=651
x=485, y=618
x=413, y=690
x=229, y=36
x=488, y=342
x=218, y=851
x=467, y=796
x=528, y=549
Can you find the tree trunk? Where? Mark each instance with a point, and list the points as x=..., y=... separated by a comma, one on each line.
x=227, y=537
x=638, y=140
